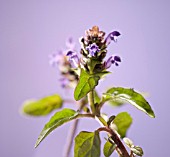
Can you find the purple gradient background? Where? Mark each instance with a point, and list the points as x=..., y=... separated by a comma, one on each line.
x=31, y=30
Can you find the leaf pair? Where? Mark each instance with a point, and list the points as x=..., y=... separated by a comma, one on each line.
x=87, y=144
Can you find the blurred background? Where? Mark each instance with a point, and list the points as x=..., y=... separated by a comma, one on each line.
x=31, y=30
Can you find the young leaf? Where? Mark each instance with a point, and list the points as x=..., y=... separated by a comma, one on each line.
x=43, y=106
x=108, y=149
x=86, y=83
x=128, y=142
x=123, y=121
x=57, y=120
x=130, y=96
x=137, y=150
x=87, y=144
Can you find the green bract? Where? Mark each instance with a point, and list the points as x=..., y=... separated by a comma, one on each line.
x=130, y=96
x=43, y=106
x=87, y=144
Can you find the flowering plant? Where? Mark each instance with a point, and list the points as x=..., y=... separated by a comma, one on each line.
x=83, y=72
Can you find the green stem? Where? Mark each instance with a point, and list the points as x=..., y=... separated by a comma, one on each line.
x=88, y=115
x=91, y=101
x=101, y=119
x=91, y=93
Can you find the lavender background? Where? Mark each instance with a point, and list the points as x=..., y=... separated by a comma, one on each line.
x=31, y=30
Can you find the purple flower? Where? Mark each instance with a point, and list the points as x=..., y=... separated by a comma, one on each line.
x=112, y=36
x=73, y=58
x=112, y=60
x=93, y=49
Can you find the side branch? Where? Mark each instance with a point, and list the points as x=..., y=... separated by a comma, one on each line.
x=117, y=140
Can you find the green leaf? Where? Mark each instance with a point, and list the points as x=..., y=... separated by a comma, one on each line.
x=43, y=106
x=87, y=82
x=87, y=144
x=108, y=149
x=130, y=96
x=137, y=150
x=123, y=121
x=57, y=120
x=116, y=103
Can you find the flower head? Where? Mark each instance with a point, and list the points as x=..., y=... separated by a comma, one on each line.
x=95, y=33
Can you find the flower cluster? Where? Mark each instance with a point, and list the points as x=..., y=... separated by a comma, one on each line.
x=94, y=49
x=60, y=60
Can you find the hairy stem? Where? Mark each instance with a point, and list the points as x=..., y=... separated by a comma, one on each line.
x=117, y=141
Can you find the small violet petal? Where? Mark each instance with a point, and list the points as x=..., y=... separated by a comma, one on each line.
x=93, y=49
x=117, y=58
x=109, y=62
x=112, y=60
x=73, y=58
x=112, y=36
